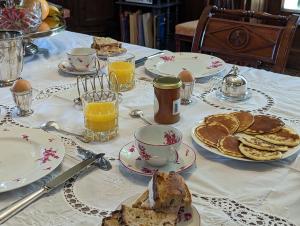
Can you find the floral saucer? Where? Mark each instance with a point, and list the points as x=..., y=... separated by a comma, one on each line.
x=67, y=68
x=130, y=158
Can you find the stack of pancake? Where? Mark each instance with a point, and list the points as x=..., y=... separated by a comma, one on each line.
x=243, y=135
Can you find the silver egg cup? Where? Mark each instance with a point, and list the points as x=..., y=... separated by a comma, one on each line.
x=186, y=92
x=23, y=101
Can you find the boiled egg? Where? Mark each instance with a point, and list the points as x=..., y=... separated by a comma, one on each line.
x=21, y=85
x=186, y=76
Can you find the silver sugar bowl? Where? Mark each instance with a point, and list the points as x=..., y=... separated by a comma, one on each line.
x=234, y=86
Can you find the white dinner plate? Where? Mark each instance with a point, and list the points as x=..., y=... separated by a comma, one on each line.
x=188, y=217
x=130, y=158
x=286, y=154
x=171, y=64
x=27, y=155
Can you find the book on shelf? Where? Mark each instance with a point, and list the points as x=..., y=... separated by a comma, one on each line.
x=133, y=27
x=141, y=35
x=143, y=28
x=148, y=29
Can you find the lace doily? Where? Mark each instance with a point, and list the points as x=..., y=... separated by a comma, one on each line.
x=240, y=213
x=259, y=102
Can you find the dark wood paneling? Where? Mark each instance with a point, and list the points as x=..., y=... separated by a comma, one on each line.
x=191, y=9
x=91, y=17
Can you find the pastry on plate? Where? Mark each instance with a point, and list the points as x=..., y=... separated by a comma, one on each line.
x=229, y=145
x=264, y=124
x=229, y=121
x=245, y=119
x=210, y=134
x=253, y=153
x=168, y=192
x=113, y=220
x=257, y=143
x=163, y=203
x=107, y=46
x=142, y=217
x=285, y=136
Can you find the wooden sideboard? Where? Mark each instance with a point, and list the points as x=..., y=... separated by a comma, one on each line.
x=91, y=17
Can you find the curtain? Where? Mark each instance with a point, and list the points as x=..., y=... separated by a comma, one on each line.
x=258, y=5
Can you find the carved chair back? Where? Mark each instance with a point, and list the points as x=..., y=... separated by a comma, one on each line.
x=246, y=37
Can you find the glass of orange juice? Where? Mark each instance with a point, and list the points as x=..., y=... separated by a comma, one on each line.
x=101, y=112
x=123, y=69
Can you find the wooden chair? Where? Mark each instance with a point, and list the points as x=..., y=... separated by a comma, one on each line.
x=184, y=32
x=255, y=43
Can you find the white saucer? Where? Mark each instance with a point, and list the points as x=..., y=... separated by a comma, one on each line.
x=130, y=158
x=64, y=66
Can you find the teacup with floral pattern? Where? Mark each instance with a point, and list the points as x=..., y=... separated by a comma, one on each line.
x=158, y=144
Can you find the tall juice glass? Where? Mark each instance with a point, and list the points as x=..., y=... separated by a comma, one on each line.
x=123, y=68
x=101, y=112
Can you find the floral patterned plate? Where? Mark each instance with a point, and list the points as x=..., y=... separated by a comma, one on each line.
x=130, y=158
x=187, y=216
x=171, y=64
x=27, y=155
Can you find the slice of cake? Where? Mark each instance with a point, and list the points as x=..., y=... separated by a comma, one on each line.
x=137, y=217
x=113, y=220
x=101, y=42
x=167, y=192
x=107, y=46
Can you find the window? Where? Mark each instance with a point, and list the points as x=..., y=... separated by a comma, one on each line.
x=291, y=5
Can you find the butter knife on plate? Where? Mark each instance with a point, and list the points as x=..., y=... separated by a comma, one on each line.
x=143, y=59
x=17, y=206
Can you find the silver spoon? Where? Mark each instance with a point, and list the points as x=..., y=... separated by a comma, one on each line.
x=139, y=114
x=102, y=162
x=54, y=126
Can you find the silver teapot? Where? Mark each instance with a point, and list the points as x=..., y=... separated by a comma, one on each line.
x=11, y=56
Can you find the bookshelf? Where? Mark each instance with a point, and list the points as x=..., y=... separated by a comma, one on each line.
x=157, y=20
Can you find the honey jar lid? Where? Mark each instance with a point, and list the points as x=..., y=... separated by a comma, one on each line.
x=167, y=82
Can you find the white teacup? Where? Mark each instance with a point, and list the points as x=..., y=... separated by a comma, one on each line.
x=82, y=59
x=158, y=144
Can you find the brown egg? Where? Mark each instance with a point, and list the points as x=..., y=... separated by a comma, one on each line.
x=21, y=85
x=186, y=76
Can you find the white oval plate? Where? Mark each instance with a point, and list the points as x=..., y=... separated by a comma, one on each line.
x=27, y=155
x=171, y=64
x=131, y=160
x=194, y=221
x=286, y=154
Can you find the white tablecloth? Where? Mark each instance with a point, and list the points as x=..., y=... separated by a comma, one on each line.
x=226, y=192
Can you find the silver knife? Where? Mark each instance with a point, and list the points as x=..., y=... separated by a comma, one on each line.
x=142, y=60
x=17, y=206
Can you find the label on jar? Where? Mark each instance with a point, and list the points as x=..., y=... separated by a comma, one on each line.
x=176, y=104
x=156, y=105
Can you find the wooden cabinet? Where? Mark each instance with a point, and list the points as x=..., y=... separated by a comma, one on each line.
x=95, y=17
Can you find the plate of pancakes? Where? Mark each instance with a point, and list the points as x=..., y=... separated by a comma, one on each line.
x=247, y=137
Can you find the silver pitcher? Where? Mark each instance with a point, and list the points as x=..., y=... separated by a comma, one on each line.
x=11, y=56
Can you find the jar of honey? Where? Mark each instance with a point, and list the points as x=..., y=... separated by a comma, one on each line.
x=166, y=99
